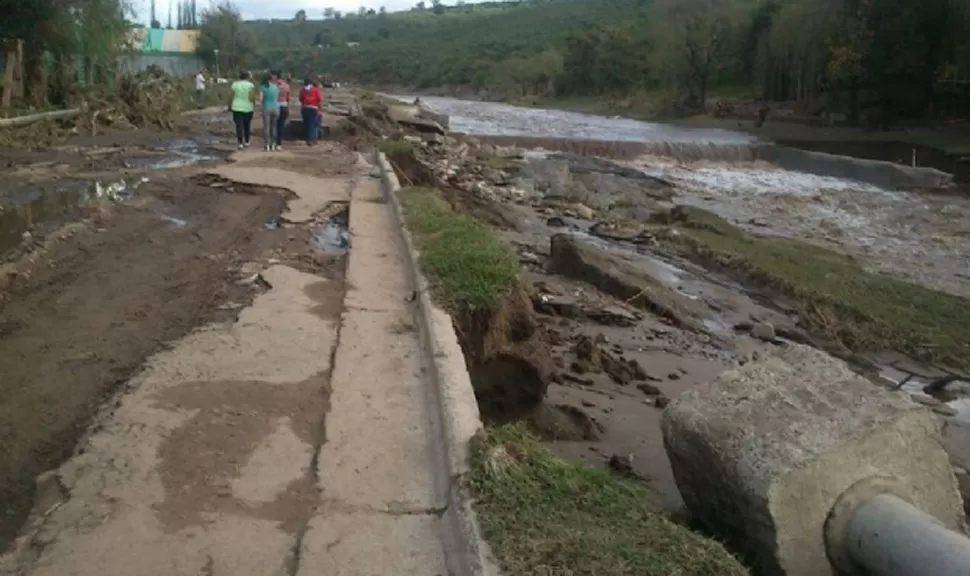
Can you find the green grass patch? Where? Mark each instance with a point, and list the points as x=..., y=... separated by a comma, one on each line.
x=468, y=268
x=835, y=295
x=544, y=516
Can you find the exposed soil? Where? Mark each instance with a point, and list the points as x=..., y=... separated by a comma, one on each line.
x=96, y=276
x=81, y=321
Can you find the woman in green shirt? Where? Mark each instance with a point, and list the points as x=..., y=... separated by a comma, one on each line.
x=241, y=106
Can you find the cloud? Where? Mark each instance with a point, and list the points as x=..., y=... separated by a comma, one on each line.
x=258, y=9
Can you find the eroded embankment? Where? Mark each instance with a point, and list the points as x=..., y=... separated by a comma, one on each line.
x=870, y=274
x=511, y=360
x=476, y=277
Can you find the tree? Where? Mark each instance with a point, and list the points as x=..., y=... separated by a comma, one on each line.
x=328, y=13
x=693, y=41
x=534, y=75
x=58, y=34
x=187, y=19
x=437, y=7
x=300, y=16
x=324, y=37
x=362, y=11
x=382, y=11
x=420, y=6
x=223, y=30
x=337, y=15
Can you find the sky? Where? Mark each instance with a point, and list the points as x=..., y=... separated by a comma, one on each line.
x=256, y=9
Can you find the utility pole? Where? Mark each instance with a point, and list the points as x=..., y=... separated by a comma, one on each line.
x=151, y=23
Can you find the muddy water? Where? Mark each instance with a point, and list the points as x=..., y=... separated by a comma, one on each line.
x=44, y=199
x=492, y=119
x=918, y=237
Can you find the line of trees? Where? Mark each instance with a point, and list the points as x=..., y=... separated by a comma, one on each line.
x=878, y=60
x=886, y=57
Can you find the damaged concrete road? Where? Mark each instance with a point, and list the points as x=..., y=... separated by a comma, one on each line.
x=292, y=436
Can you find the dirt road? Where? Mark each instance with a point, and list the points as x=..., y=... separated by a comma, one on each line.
x=260, y=413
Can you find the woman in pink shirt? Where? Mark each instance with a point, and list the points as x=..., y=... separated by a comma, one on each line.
x=284, y=105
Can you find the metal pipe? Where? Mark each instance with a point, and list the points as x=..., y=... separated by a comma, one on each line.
x=889, y=537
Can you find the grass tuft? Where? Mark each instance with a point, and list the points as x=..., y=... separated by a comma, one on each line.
x=543, y=516
x=468, y=268
x=835, y=295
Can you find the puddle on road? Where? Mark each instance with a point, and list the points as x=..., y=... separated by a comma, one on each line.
x=37, y=210
x=176, y=154
x=332, y=236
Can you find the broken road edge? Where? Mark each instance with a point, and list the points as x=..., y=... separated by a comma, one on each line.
x=468, y=553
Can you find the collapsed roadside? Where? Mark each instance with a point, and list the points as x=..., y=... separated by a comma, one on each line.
x=537, y=511
x=637, y=303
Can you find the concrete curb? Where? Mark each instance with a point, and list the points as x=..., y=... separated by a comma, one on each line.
x=469, y=554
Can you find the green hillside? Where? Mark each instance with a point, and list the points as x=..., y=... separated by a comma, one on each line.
x=421, y=48
x=878, y=63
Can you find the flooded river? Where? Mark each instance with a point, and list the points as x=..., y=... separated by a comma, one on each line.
x=918, y=237
x=493, y=119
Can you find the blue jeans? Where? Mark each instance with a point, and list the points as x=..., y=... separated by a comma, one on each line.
x=311, y=123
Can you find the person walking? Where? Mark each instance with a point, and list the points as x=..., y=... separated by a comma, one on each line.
x=269, y=97
x=200, y=88
x=241, y=104
x=284, y=100
x=311, y=106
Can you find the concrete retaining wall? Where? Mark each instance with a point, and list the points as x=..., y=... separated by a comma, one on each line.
x=875, y=172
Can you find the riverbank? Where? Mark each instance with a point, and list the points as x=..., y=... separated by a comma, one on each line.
x=637, y=304
x=521, y=488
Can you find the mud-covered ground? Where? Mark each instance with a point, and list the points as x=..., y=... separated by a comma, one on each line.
x=111, y=247
x=632, y=323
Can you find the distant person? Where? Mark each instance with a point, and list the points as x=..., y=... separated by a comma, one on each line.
x=311, y=109
x=284, y=99
x=269, y=97
x=200, y=87
x=241, y=105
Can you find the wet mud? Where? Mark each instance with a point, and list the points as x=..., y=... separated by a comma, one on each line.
x=81, y=318
x=631, y=324
x=611, y=298
x=44, y=189
x=110, y=248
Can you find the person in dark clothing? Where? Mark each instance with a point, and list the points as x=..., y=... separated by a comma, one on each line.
x=311, y=105
x=285, y=96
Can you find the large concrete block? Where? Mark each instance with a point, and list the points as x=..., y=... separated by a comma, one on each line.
x=762, y=453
